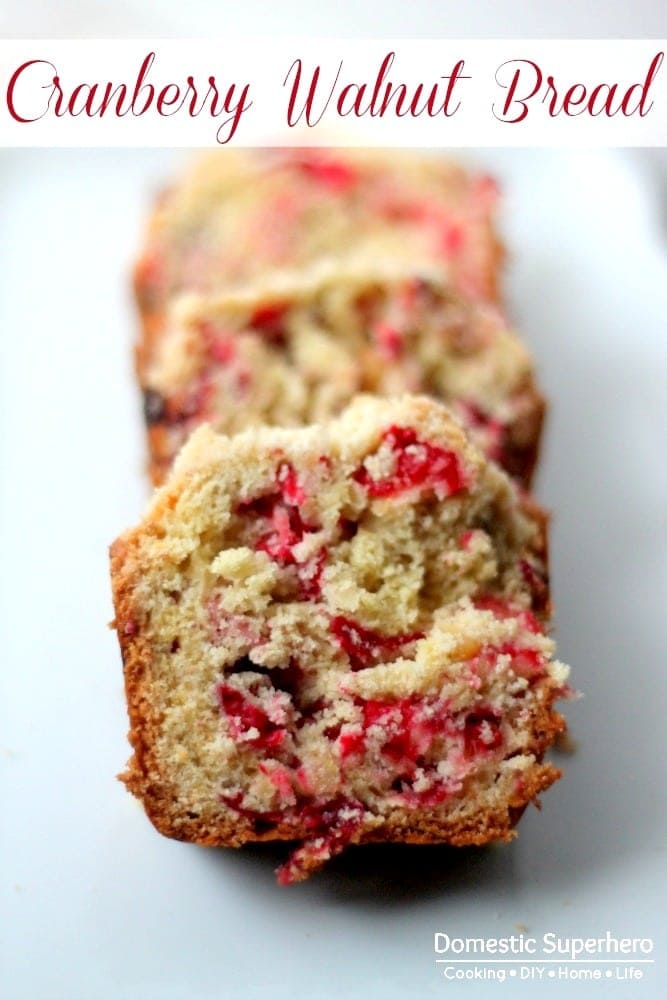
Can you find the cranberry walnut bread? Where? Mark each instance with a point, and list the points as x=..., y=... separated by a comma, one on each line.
x=235, y=214
x=337, y=634
x=295, y=348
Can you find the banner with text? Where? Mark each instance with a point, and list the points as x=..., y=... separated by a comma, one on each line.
x=323, y=92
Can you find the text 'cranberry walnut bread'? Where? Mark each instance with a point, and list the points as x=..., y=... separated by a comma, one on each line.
x=296, y=347
x=235, y=214
x=335, y=635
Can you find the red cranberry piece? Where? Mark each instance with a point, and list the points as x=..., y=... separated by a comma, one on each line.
x=465, y=540
x=287, y=531
x=282, y=510
x=288, y=528
x=291, y=489
x=388, y=339
x=332, y=827
x=364, y=646
x=503, y=610
x=334, y=174
x=434, y=795
x=452, y=238
x=219, y=343
x=536, y=582
x=411, y=726
x=310, y=576
x=417, y=463
x=269, y=320
x=486, y=192
x=244, y=714
x=525, y=662
x=493, y=429
x=351, y=744
x=235, y=802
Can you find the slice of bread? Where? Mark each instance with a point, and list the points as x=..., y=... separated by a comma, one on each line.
x=295, y=347
x=235, y=214
x=337, y=634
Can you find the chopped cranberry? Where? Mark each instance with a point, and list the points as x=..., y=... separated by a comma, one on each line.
x=481, y=733
x=235, y=802
x=466, y=539
x=292, y=491
x=130, y=627
x=503, y=610
x=334, y=174
x=228, y=628
x=310, y=575
x=414, y=724
x=452, y=239
x=281, y=779
x=492, y=429
x=364, y=646
x=244, y=715
x=287, y=531
x=538, y=585
x=485, y=192
x=434, y=795
x=332, y=827
x=351, y=744
x=410, y=724
x=282, y=510
x=525, y=662
x=219, y=343
x=418, y=463
x=269, y=321
x=389, y=339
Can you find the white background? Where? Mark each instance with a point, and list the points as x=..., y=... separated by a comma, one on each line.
x=95, y=904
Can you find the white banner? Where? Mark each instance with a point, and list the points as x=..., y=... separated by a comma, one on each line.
x=322, y=92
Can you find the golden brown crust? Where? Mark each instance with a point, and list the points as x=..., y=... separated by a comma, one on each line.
x=521, y=448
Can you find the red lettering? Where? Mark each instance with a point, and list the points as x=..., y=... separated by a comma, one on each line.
x=642, y=107
x=140, y=85
x=512, y=88
x=14, y=79
x=235, y=111
x=307, y=107
x=607, y=105
x=457, y=74
x=164, y=100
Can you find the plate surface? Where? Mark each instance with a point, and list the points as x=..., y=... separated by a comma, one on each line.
x=95, y=904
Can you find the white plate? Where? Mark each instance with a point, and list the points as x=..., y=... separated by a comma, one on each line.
x=97, y=905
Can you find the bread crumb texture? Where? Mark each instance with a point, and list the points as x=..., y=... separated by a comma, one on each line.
x=297, y=346
x=337, y=634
